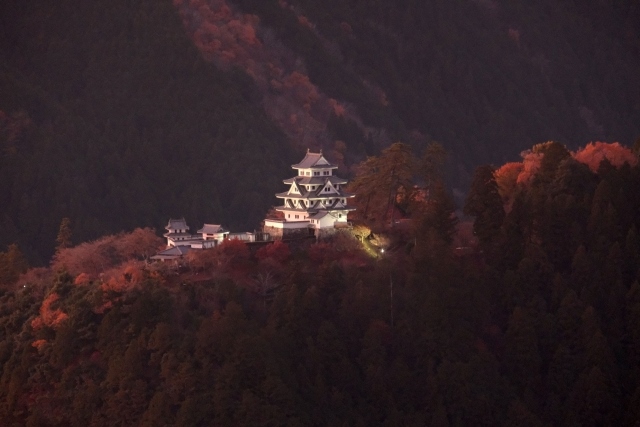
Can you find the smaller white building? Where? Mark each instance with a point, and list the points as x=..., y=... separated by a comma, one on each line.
x=213, y=232
x=177, y=233
x=208, y=236
x=180, y=241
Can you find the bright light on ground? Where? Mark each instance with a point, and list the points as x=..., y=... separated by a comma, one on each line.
x=371, y=250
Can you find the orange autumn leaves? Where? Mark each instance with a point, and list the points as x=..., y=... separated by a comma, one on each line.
x=49, y=316
x=230, y=38
x=594, y=153
x=511, y=175
x=114, y=263
x=99, y=256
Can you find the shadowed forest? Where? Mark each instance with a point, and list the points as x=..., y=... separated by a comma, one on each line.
x=535, y=323
x=118, y=114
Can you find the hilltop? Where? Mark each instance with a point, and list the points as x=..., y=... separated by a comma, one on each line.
x=120, y=113
x=537, y=325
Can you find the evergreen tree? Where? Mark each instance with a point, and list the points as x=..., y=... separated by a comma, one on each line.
x=485, y=205
x=64, y=235
x=12, y=264
x=522, y=353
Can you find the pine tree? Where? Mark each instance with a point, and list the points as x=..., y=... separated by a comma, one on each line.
x=485, y=204
x=12, y=264
x=64, y=235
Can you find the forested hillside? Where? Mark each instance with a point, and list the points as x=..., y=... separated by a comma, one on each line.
x=538, y=324
x=485, y=78
x=120, y=114
x=112, y=118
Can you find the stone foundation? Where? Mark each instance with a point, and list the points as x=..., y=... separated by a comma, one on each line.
x=287, y=233
x=275, y=233
x=324, y=233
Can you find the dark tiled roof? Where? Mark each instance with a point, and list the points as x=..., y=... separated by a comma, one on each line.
x=174, y=251
x=315, y=209
x=311, y=159
x=337, y=180
x=175, y=235
x=319, y=215
x=315, y=180
x=212, y=229
x=177, y=224
x=315, y=194
x=287, y=208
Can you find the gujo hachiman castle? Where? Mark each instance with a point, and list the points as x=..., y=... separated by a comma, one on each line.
x=315, y=201
x=314, y=205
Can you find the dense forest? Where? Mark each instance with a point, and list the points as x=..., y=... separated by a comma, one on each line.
x=112, y=118
x=535, y=322
x=119, y=114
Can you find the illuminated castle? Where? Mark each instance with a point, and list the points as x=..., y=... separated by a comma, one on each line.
x=314, y=202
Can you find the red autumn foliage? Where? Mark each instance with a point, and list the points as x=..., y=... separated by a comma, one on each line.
x=507, y=180
x=124, y=277
x=278, y=251
x=274, y=214
x=48, y=316
x=229, y=38
x=39, y=344
x=201, y=260
x=98, y=256
x=338, y=109
x=507, y=177
x=594, y=153
x=343, y=248
x=320, y=252
x=304, y=21
x=345, y=27
x=232, y=252
x=530, y=166
x=39, y=278
x=120, y=280
x=301, y=87
x=82, y=279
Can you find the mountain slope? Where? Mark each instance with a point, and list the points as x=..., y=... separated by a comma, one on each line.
x=125, y=125
x=121, y=114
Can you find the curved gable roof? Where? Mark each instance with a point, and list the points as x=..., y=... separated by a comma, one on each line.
x=212, y=229
x=313, y=160
x=177, y=224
